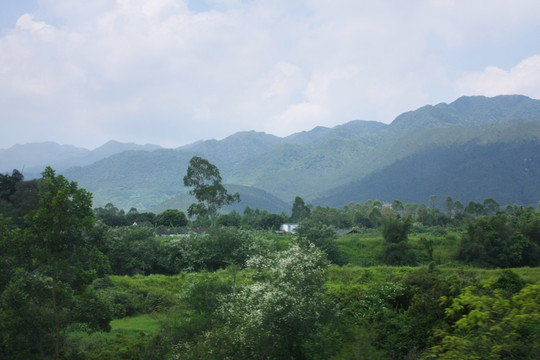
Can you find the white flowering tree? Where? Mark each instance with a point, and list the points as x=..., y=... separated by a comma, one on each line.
x=282, y=312
x=283, y=309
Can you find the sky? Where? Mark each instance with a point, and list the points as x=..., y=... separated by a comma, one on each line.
x=172, y=72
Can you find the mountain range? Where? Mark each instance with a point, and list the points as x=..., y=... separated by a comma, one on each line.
x=471, y=149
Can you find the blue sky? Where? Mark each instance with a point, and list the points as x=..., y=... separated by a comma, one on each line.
x=171, y=72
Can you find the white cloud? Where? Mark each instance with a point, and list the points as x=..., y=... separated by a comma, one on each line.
x=170, y=72
x=297, y=117
x=524, y=78
x=282, y=81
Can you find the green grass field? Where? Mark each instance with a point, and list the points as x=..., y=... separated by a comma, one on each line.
x=134, y=325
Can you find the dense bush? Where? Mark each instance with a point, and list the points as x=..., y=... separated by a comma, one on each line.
x=323, y=237
x=487, y=325
x=396, y=250
x=502, y=241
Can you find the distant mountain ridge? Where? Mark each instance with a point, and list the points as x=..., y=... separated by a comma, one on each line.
x=329, y=165
x=34, y=157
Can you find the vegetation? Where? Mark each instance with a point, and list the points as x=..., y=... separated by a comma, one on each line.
x=205, y=182
x=400, y=281
x=49, y=269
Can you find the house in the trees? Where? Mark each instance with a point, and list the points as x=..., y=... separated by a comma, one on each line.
x=288, y=228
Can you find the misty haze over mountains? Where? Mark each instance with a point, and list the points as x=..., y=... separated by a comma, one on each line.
x=471, y=149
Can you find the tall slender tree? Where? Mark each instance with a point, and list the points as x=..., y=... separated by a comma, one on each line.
x=205, y=182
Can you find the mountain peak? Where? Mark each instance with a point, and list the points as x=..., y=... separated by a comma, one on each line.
x=471, y=111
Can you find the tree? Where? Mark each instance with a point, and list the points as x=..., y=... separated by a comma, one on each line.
x=17, y=197
x=63, y=262
x=131, y=250
x=491, y=326
x=205, y=182
x=271, y=221
x=397, y=206
x=491, y=207
x=299, y=210
x=231, y=219
x=474, y=209
x=111, y=215
x=8, y=184
x=283, y=312
x=497, y=242
x=172, y=217
x=394, y=229
x=396, y=249
x=324, y=237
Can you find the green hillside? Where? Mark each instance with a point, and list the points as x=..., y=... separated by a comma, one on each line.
x=312, y=163
x=509, y=172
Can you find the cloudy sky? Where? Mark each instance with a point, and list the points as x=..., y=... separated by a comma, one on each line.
x=171, y=72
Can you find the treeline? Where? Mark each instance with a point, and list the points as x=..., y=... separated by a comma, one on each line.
x=490, y=235
x=367, y=215
x=172, y=219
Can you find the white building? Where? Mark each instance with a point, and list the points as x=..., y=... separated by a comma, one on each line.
x=288, y=228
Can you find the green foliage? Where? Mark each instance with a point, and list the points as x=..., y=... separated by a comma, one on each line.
x=131, y=250
x=491, y=326
x=245, y=294
x=172, y=218
x=395, y=230
x=396, y=307
x=17, y=197
x=499, y=241
x=386, y=312
x=361, y=250
x=48, y=293
x=261, y=219
x=111, y=215
x=218, y=248
x=205, y=182
x=279, y=315
x=130, y=338
x=323, y=237
x=299, y=210
x=396, y=249
x=231, y=219
x=8, y=184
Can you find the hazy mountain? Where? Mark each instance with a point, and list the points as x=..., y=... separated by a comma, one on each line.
x=34, y=157
x=114, y=147
x=235, y=148
x=350, y=162
x=470, y=111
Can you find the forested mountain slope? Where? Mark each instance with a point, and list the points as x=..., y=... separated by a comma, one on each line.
x=507, y=172
x=326, y=164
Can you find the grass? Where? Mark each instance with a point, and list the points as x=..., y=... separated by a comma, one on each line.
x=126, y=340
x=135, y=325
x=361, y=249
x=366, y=249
